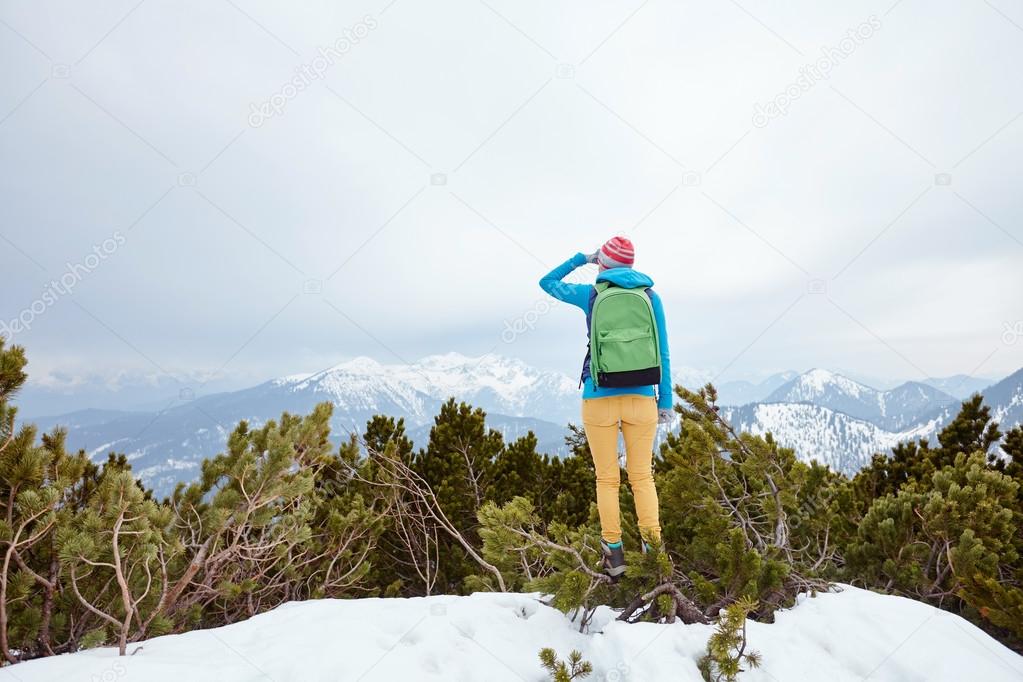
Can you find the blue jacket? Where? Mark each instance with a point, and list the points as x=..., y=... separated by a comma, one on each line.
x=582, y=295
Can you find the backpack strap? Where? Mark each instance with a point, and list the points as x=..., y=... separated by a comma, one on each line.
x=597, y=288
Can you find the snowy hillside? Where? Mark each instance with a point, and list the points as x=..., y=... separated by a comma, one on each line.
x=817, y=433
x=840, y=637
x=1006, y=400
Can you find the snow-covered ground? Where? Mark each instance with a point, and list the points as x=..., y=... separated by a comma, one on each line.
x=848, y=635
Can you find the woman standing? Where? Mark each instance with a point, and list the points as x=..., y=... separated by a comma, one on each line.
x=626, y=380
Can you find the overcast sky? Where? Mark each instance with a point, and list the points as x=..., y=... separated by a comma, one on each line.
x=406, y=199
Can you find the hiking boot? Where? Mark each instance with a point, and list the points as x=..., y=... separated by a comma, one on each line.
x=613, y=559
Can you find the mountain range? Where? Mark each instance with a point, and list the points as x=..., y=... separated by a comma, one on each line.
x=168, y=445
x=843, y=423
x=893, y=410
x=959, y=386
x=823, y=415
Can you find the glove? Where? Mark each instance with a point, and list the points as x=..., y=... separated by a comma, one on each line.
x=665, y=416
x=592, y=257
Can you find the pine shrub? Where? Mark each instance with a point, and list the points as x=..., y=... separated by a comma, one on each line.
x=727, y=647
x=565, y=671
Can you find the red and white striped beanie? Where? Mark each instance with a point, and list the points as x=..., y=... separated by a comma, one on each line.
x=616, y=253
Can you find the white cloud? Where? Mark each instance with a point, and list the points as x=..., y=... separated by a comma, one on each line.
x=538, y=162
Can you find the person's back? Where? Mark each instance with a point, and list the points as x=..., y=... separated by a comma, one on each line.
x=624, y=388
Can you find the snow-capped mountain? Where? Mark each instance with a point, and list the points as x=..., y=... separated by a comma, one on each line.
x=168, y=446
x=497, y=384
x=893, y=410
x=836, y=421
x=905, y=406
x=1005, y=399
x=818, y=433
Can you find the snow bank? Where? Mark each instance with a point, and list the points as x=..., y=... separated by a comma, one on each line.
x=849, y=635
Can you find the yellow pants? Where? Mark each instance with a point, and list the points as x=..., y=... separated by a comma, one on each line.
x=636, y=416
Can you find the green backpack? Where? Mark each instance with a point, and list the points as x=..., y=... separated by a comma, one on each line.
x=625, y=350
